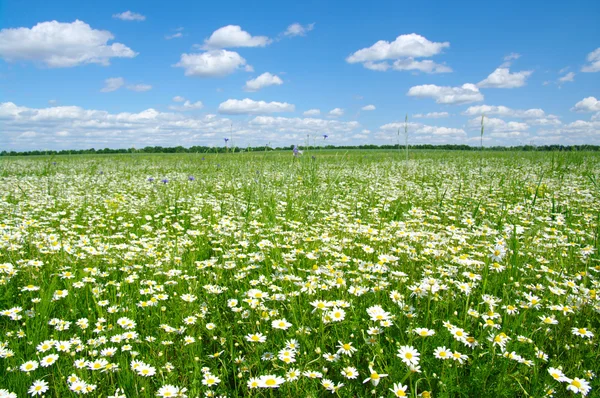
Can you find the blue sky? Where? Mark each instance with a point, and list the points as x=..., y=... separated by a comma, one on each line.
x=532, y=67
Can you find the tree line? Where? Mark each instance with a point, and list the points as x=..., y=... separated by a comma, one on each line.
x=207, y=149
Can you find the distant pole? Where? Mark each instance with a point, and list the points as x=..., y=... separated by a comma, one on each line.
x=481, y=147
x=406, y=135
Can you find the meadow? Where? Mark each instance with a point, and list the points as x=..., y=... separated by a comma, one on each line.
x=333, y=273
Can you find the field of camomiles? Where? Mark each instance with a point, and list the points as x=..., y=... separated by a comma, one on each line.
x=349, y=274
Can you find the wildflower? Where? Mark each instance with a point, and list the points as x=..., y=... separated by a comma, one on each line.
x=29, y=366
x=424, y=332
x=270, y=381
x=48, y=360
x=346, y=348
x=38, y=387
x=256, y=338
x=409, y=355
x=582, y=332
x=210, y=380
x=374, y=377
x=282, y=324
x=578, y=385
x=253, y=382
x=169, y=391
x=558, y=375
x=399, y=390
x=442, y=353
x=350, y=372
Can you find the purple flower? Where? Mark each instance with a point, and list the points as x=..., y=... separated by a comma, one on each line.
x=164, y=180
x=101, y=172
x=325, y=136
x=226, y=139
x=202, y=157
x=150, y=179
x=54, y=163
x=191, y=178
x=296, y=151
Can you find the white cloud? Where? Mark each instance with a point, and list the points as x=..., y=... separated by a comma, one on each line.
x=177, y=35
x=303, y=125
x=495, y=125
x=178, y=98
x=426, y=66
x=112, y=84
x=248, y=106
x=312, y=112
x=233, y=36
x=262, y=81
x=296, y=29
x=569, y=77
x=502, y=78
x=186, y=106
x=594, y=62
x=509, y=58
x=60, y=45
x=368, y=108
x=589, y=104
x=211, y=63
x=488, y=110
x=423, y=130
x=448, y=95
x=336, y=112
x=66, y=127
x=431, y=115
x=511, y=134
x=139, y=87
x=410, y=45
x=129, y=16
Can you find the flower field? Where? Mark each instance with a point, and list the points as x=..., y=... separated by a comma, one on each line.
x=349, y=274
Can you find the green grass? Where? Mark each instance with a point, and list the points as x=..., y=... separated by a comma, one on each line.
x=351, y=228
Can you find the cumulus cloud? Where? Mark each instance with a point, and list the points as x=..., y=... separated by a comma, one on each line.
x=336, y=112
x=368, y=108
x=505, y=111
x=312, y=112
x=265, y=80
x=303, y=125
x=60, y=45
x=297, y=29
x=406, y=64
x=233, y=36
x=403, y=50
x=139, y=87
x=177, y=35
x=431, y=115
x=76, y=127
x=502, y=78
x=495, y=125
x=178, y=98
x=112, y=84
x=248, y=106
x=115, y=83
x=569, y=77
x=589, y=104
x=509, y=59
x=129, y=16
x=447, y=95
x=423, y=133
x=410, y=45
x=186, y=106
x=213, y=63
x=593, y=64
